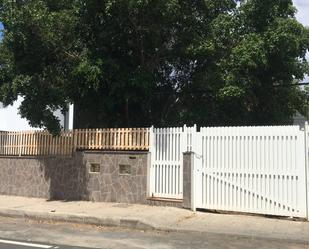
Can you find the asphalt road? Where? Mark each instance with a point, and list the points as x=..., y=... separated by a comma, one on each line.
x=14, y=244
x=68, y=236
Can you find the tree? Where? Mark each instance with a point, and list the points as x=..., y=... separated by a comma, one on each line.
x=258, y=52
x=163, y=62
x=37, y=53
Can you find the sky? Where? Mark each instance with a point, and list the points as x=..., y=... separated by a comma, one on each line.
x=303, y=11
x=303, y=17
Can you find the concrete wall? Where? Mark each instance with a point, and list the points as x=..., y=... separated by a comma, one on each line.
x=64, y=178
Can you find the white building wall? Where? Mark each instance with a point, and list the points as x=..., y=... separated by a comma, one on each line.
x=10, y=120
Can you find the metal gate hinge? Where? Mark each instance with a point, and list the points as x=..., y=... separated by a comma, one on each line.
x=198, y=156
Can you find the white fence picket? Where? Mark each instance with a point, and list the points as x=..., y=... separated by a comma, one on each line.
x=245, y=169
x=166, y=173
x=306, y=130
x=253, y=169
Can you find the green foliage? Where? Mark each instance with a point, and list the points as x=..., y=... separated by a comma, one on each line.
x=164, y=62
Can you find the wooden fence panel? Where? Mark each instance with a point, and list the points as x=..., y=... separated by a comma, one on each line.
x=37, y=143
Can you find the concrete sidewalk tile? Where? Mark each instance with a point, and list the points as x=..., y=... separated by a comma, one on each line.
x=152, y=217
x=11, y=213
x=91, y=220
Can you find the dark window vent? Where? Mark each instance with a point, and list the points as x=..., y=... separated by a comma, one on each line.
x=94, y=168
x=124, y=169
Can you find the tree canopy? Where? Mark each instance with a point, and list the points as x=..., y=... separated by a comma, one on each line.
x=154, y=62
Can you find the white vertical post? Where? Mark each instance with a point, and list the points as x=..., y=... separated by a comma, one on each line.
x=184, y=139
x=306, y=130
x=193, y=148
x=150, y=173
x=71, y=117
x=193, y=182
x=183, y=148
x=196, y=169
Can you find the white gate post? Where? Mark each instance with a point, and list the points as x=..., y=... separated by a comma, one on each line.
x=193, y=182
x=306, y=130
x=197, y=147
x=194, y=144
x=183, y=148
x=150, y=175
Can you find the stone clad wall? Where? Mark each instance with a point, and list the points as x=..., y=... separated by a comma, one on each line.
x=109, y=185
x=64, y=178
x=48, y=177
x=188, y=164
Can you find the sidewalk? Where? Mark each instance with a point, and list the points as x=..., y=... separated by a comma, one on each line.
x=149, y=217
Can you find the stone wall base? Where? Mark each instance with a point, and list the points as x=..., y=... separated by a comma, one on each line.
x=99, y=176
x=164, y=203
x=73, y=178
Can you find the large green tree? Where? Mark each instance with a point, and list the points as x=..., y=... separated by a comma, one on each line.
x=161, y=62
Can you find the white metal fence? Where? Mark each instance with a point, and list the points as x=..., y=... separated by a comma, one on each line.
x=253, y=169
x=306, y=130
x=245, y=169
x=166, y=173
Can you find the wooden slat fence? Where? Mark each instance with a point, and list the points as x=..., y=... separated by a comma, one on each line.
x=112, y=139
x=33, y=143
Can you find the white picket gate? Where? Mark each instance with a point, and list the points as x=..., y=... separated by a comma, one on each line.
x=242, y=169
x=166, y=172
x=306, y=130
x=251, y=169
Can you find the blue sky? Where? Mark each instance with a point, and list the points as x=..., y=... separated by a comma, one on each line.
x=303, y=17
x=303, y=11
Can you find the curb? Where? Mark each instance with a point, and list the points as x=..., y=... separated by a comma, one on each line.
x=79, y=219
x=123, y=223
x=89, y=220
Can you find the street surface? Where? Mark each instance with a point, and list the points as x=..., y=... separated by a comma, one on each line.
x=12, y=244
x=18, y=233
